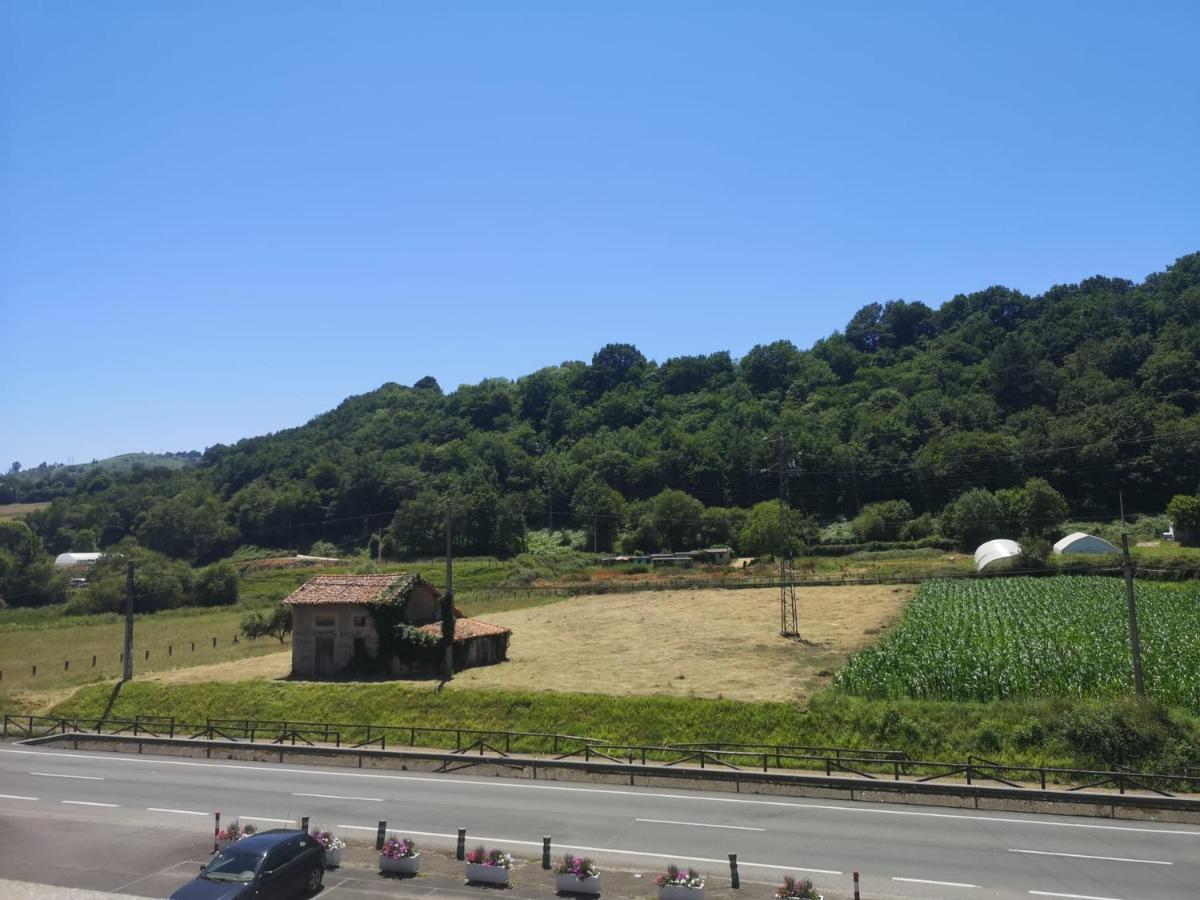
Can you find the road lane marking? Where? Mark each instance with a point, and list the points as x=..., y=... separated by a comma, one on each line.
x=700, y=825
x=930, y=881
x=266, y=819
x=481, y=782
x=90, y=803
x=1149, y=862
x=15, y=797
x=672, y=856
x=182, y=812
x=337, y=797
x=1071, y=896
x=80, y=777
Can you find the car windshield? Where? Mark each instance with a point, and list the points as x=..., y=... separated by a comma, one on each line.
x=233, y=865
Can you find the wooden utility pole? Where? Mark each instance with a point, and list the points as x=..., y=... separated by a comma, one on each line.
x=127, y=669
x=1134, y=640
x=448, y=624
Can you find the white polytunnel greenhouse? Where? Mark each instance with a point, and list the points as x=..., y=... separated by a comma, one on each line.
x=993, y=553
x=1082, y=542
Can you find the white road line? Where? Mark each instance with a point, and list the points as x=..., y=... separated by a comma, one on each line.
x=1071, y=896
x=672, y=856
x=1149, y=862
x=89, y=803
x=930, y=881
x=484, y=783
x=265, y=819
x=182, y=812
x=700, y=825
x=15, y=797
x=80, y=777
x=337, y=797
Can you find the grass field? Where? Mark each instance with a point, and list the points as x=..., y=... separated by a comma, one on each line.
x=717, y=644
x=63, y=653
x=16, y=510
x=1062, y=733
x=1031, y=637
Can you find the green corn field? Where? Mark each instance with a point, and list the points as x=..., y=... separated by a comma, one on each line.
x=1000, y=638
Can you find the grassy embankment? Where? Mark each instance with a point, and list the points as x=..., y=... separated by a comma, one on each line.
x=1061, y=733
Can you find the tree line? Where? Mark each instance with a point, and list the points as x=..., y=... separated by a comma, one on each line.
x=1093, y=387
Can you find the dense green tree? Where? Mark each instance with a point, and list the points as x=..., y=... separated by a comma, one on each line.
x=1094, y=387
x=27, y=575
x=599, y=510
x=973, y=518
x=1184, y=512
x=882, y=521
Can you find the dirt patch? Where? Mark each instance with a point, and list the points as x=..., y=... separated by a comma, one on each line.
x=683, y=643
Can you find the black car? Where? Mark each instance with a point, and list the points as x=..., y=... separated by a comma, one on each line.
x=271, y=865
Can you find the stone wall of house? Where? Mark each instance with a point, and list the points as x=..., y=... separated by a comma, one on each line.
x=339, y=624
x=422, y=605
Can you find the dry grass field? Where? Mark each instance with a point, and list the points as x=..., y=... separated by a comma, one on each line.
x=711, y=643
x=16, y=510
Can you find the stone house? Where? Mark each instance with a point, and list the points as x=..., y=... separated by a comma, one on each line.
x=333, y=624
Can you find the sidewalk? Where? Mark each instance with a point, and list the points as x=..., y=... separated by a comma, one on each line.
x=442, y=876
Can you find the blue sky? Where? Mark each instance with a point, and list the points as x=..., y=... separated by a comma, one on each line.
x=217, y=220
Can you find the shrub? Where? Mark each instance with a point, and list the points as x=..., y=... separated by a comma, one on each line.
x=1184, y=512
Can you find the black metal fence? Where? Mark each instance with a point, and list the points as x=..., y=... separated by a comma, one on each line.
x=868, y=764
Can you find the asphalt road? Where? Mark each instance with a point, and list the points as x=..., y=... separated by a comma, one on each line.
x=900, y=851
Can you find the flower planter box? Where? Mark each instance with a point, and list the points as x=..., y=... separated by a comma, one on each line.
x=333, y=858
x=487, y=874
x=569, y=884
x=401, y=865
x=680, y=892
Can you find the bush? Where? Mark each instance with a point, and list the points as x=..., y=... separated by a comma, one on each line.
x=929, y=543
x=882, y=521
x=1184, y=512
x=216, y=585
x=1121, y=734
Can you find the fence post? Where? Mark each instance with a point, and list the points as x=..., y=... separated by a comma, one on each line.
x=460, y=851
x=216, y=832
x=34, y=669
x=66, y=665
x=304, y=823
x=545, y=851
x=93, y=661
x=381, y=834
x=856, y=897
x=734, y=881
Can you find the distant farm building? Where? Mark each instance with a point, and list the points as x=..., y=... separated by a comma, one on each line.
x=712, y=556
x=68, y=560
x=334, y=627
x=1081, y=542
x=996, y=554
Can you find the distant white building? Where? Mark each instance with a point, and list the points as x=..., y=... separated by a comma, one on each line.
x=1082, y=542
x=991, y=554
x=66, y=560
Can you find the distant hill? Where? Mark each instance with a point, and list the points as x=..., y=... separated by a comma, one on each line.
x=1094, y=386
x=47, y=481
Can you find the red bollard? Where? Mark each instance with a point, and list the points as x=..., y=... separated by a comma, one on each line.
x=216, y=832
x=856, y=897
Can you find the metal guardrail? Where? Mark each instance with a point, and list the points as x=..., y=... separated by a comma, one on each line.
x=869, y=765
x=984, y=796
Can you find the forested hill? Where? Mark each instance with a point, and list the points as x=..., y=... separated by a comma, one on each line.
x=1093, y=386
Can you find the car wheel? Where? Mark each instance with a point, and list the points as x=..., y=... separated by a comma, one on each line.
x=314, y=879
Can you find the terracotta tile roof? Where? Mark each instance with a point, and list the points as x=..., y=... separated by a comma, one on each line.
x=466, y=628
x=354, y=589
